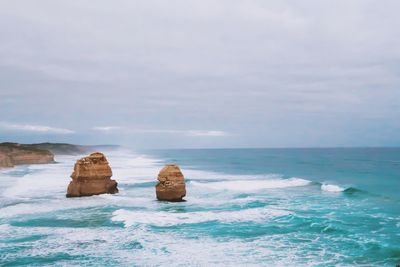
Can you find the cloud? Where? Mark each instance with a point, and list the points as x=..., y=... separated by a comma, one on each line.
x=106, y=128
x=191, y=133
x=35, y=128
x=207, y=133
x=178, y=73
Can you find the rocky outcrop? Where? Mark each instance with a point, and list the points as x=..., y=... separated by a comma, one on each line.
x=91, y=176
x=171, y=184
x=17, y=154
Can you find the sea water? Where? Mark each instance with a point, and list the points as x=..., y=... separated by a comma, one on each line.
x=244, y=207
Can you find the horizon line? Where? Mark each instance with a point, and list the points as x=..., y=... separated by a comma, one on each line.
x=209, y=148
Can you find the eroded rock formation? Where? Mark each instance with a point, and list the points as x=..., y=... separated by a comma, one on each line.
x=171, y=184
x=91, y=176
x=17, y=154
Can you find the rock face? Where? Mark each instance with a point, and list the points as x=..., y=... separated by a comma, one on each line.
x=171, y=184
x=5, y=160
x=91, y=176
x=17, y=154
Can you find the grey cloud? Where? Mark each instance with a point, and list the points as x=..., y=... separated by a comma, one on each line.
x=274, y=73
x=193, y=133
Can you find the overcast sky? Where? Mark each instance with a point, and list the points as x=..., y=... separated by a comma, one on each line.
x=208, y=73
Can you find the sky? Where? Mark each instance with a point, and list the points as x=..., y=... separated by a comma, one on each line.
x=201, y=74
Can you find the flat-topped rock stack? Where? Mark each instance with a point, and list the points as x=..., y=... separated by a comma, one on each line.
x=91, y=176
x=171, y=184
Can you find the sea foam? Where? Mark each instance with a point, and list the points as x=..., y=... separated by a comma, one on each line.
x=332, y=188
x=164, y=218
x=253, y=185
x=275, y=220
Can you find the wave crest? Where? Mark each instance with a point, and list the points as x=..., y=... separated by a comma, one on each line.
x=332, y=188
x=253, y=185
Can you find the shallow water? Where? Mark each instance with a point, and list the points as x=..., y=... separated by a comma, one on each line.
x=244, y=207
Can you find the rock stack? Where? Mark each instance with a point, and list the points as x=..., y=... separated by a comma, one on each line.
x=91, y=176
x=171, y=184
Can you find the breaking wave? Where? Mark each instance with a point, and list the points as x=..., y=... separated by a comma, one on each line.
x=332, y=188
x=252, y=185
x=164, y=218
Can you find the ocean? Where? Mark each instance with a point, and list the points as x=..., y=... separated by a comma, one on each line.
x=244, y=207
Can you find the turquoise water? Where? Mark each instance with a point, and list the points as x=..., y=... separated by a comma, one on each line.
x=245, y=207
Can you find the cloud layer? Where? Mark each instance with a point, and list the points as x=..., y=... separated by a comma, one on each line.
x=194, y=133
x=34, y=128
x=257, y=73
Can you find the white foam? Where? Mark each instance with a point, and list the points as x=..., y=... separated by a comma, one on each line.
x=163, y=218
x=63, y=203
x=43, y=180
x=193, y=174
x=332, y=188
x=43, y=190
x=157, y=248
x=51, y=180
x=253, y=185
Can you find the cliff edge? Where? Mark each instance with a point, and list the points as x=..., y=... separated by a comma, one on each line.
x=12, y=154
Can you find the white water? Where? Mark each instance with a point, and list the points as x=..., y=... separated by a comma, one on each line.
x=46, y=185
x=332, y=188
x=124, y=234
x=253, y=185
x=163, y=218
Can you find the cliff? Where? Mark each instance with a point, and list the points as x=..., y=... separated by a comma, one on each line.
x=17, y=154
x=62, y=148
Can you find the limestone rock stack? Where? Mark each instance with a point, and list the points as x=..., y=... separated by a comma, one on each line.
x=91, y=176
x=171, y=184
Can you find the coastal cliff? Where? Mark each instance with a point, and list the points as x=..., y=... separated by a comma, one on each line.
x=62, y=148
x=12, y=154
x=5, y=160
